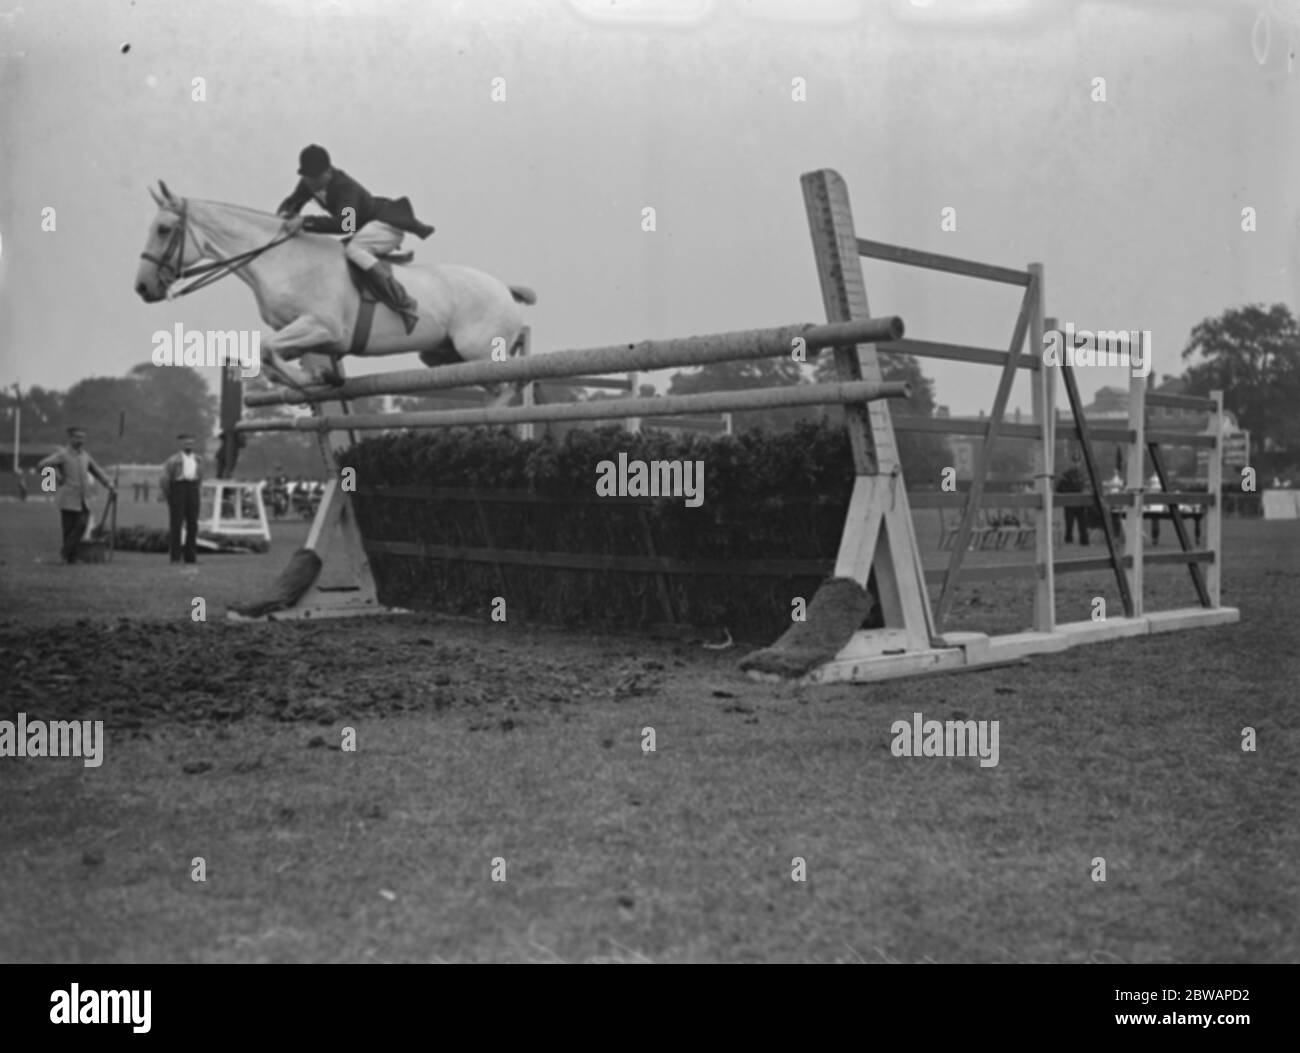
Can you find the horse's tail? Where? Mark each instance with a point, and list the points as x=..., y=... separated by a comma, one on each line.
x=523, y=294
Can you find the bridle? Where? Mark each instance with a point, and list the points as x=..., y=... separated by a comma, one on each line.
x=170, y=263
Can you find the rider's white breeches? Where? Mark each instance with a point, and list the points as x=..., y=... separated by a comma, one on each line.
x=374, y=239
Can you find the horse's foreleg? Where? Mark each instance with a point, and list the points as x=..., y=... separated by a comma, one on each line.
x=277, y=369
x=304, y=334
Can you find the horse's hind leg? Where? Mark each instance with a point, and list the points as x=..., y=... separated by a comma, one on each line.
x=509, y=393
x=443, y=354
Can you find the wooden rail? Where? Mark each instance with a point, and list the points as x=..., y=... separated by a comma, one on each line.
x=604, y=409
x=621, y=358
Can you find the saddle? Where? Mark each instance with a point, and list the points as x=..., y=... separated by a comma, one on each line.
x=366, y=313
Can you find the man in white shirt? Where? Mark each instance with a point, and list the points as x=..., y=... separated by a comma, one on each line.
x=181, y=482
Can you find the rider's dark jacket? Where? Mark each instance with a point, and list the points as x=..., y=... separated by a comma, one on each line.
x=343, y=192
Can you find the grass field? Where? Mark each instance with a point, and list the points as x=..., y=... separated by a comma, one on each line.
x=479, y=742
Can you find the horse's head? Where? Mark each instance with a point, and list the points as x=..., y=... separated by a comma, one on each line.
x=169, y=249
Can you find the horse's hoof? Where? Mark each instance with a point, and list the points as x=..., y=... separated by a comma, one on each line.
x=322, y=378
x=288, y=381
x=504, y=396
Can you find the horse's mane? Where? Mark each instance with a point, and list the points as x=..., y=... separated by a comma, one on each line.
x=176, y=204
x=236, y=208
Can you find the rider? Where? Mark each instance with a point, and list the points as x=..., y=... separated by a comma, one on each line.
x=379, y=222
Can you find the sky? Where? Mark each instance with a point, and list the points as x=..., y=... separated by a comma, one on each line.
x=989, y=107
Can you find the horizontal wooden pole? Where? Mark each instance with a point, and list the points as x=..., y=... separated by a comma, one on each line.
x=1185, y=402
x=1180, y=438
x=752, y=568
x=958, y=353
x=1179, y=497
x=607, y=383
x=988, y=499
x=1007, y=429
x=1010, y=430
x=708, y=424
x=603, y=409
x=620, y=358
x=1093, y=563
x=955, y=426
x=1102, y=433
x=878, y=250
x=476, y=496
x=1195, y=555
x=472, y=396
x=918, y=499
x=1086, y=564
x=477, y=396
x=984, y=572
x=1001, y=499
x=1122, y=499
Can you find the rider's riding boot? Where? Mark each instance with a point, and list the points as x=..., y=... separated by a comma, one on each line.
x=389, y=289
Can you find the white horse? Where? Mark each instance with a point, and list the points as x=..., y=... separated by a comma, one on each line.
x=304, y=293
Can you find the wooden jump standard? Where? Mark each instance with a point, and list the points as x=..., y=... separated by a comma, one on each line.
x=879, y=531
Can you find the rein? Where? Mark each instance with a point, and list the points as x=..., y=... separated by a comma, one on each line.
x=171, y=272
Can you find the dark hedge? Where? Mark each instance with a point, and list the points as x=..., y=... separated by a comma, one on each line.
x=767, y=498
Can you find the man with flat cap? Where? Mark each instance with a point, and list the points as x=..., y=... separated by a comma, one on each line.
x=74, y=470
x=182, y=477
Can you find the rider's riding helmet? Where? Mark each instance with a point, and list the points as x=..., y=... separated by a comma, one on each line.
x=313, y=160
